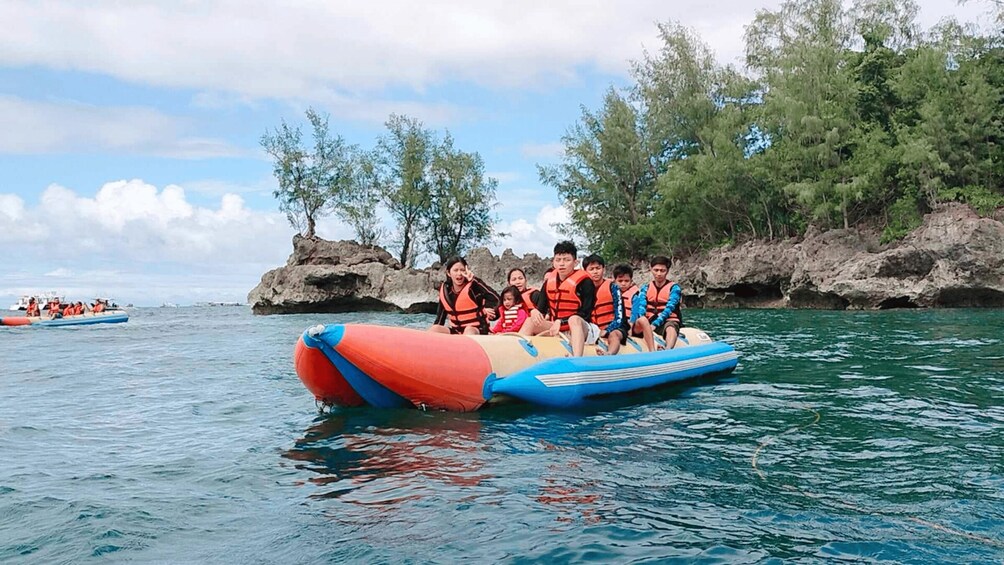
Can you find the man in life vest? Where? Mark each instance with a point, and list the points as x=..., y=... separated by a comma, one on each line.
x=55, y=309
x=465, y=300
x=608, y=312
x=567, y=300
x=99, y=306
x=32, y=311
x=634, y=310
x=662, y=302
x=78, y=308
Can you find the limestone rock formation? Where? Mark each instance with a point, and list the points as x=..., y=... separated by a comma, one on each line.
x=955, y=259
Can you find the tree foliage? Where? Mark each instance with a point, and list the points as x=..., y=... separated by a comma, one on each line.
x=842, y=116
x=310, y=180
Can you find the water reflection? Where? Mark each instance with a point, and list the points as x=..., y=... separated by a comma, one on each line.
x=346, y=449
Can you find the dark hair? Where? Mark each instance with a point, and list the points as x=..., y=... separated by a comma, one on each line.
x=659, y=260
x=517, y=296
x=566, y=247
x=594, y=258
x=622, y=269
x=453, y=261
x=513, y=270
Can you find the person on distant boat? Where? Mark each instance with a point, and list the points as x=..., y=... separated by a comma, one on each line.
x=98, y=307
x=512, y=313
x=567, y=299
x=55, y=309
x=634, y=314
x=465, y=300
x=68, y=310
x=528, y=294
x=32, y=311
x=662, y=301
x=78, y=308
x=608, y=312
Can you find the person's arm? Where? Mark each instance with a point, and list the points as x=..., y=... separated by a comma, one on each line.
x=497, y=328
x=675, y=294
x=540, y=303
x=521, y=317
x=615, y=292
x=586, y=291
x=440, y=313
x=487, y=295
x=639, y=304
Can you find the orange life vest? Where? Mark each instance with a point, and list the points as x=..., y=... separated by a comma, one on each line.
x=465, y=312
x=32, y=310
x=99, y=307
x=657, y=298
x=78, y=309
x=561, y=297
x=68, y=311
x=603, y=311
x=626, y=296
x=528, y=298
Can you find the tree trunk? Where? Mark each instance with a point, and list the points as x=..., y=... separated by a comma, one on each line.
x=310, y=228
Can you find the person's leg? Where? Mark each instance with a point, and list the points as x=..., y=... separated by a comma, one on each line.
x=472, y=330
x=614, y=341
x=531, y=328
x=437, y=329
x=672, y=333
x=643, y=327
x=577, y=330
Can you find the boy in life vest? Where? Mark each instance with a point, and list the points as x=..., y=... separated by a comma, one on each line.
x=662, y=300
x=634, y=309
x=465, y=300
x=512, y=313
x=608, y=312
x=566, y=299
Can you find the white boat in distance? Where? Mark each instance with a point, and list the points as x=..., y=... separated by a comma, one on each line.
x=43, y=299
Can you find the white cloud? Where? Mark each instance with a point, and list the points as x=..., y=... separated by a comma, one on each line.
x=258, y=48
x=542, y=150
x=534, y=236
x=60, y=273
x=40, y=127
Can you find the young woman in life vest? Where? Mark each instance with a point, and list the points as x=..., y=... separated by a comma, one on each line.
x=528, y=294
x=465, y=300
x=567, y=297
x=512, y=313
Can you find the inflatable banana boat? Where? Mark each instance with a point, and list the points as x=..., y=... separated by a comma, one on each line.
x=106, y=317
x=388, y=367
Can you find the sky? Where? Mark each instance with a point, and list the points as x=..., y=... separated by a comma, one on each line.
x=130, y=164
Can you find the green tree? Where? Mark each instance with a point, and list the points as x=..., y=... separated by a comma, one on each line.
x=358, y=207
x=404, y=155
x=460, y=213
x=607, y=179
x=309, y=180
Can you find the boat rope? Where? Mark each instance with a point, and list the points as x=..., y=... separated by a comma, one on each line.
x=851, y=506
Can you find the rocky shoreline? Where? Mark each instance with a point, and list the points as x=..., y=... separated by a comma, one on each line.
x=954, y=259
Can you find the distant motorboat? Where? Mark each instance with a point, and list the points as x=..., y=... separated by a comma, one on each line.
x=169, y=305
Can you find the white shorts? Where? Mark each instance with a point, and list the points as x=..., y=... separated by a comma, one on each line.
x=592, y=334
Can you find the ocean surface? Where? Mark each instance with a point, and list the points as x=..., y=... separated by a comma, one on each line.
x=184, y=436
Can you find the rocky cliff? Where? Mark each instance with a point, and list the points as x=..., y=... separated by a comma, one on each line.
x=955, y=259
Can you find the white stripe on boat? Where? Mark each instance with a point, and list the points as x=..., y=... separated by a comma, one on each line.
x=610, y=375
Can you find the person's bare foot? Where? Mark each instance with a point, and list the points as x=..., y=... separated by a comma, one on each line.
x=600, y=351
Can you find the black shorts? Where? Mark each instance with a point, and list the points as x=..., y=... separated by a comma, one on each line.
x=660, y=330
x=623, y=330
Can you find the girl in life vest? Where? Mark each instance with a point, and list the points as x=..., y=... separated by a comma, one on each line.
x=465, y=300
x=512, y=313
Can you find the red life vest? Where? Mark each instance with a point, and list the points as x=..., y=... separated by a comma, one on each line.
x=99, y=307
x=465, y=312
x=603, y=311
x=561, y=297
x=657, y=298
x=626, y=296
x=527, y=297
x=32, y=310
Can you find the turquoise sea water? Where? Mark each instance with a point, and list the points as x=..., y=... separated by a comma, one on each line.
x=185, y=436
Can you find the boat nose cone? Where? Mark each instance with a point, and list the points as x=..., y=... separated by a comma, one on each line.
x=330, y=335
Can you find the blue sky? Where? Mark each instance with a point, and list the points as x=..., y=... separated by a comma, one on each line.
x=129, y=157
